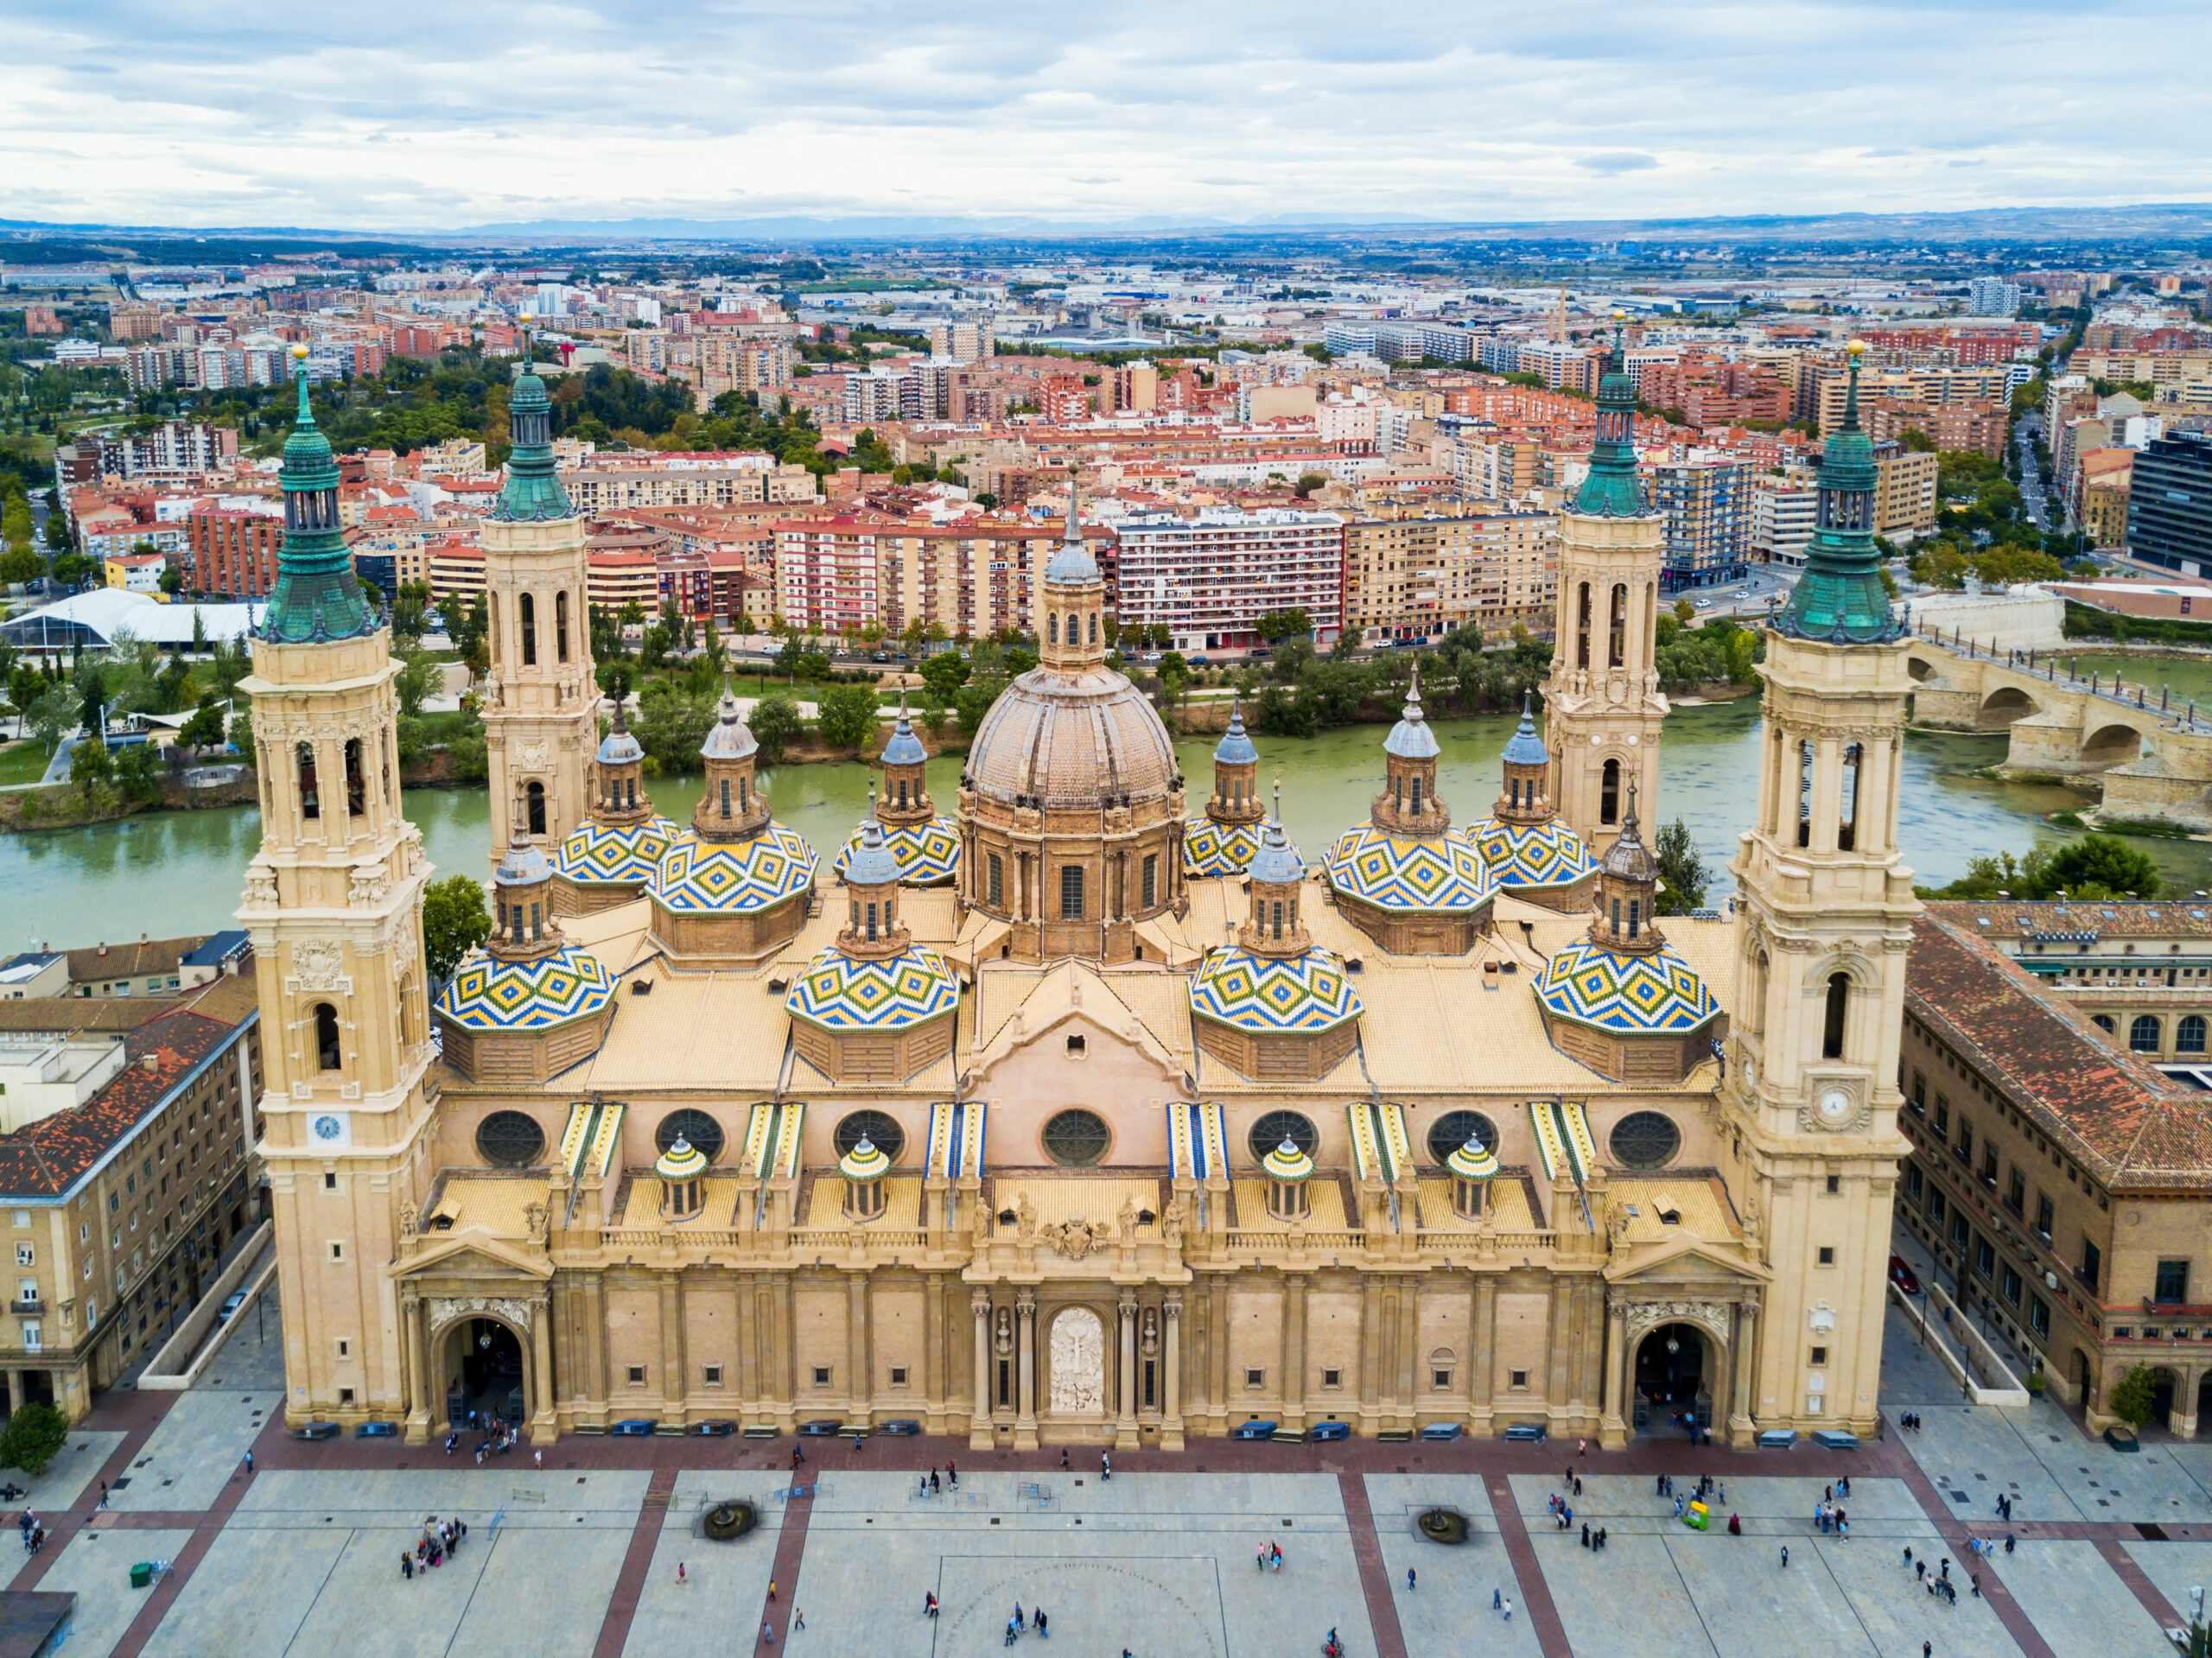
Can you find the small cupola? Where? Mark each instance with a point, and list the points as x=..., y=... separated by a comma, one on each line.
x=620, y=798
x=732, y=807
x=522, y=892
x=863, y=1168
x=1627, y=892
x=1288, y=1170
x=1276, y=876
x=682, y=1171
x=872, y=930
x=1235, y=797
x=905, y=790
x=1073, y=638
x=1526, y=795
x=1408, y=804
x=1472, y=1168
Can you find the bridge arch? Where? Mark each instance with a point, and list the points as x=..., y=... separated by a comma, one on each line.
x=2003, y=705
x=2112, y=744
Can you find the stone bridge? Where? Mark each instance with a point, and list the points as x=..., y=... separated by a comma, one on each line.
x=2152, y=761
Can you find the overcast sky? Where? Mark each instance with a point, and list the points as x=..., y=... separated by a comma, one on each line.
x=404, y=115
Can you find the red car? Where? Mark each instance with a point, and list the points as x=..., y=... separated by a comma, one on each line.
x=1902, y=1276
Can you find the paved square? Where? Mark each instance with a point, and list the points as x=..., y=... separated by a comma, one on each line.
x=725, y=1584
x=194, y=1451
x=1448, y=1610
x=2078, y=1604
x=95, y=1567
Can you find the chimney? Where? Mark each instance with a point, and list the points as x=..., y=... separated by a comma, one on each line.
x=102, y=947
x=150, y=1064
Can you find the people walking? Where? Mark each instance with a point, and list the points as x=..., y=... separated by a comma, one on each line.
x=1409, y=1577
x=1785, y=1557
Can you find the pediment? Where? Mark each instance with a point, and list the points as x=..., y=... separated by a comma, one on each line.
x=475, y=1254
x=1075, y=1001
x=1686, y=1260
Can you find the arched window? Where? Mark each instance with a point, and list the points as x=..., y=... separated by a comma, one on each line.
x=310, y=796
x=510, y=1140
x=878, y=1128
x=1832, y=1021
x=2103, y=1022
x=528, y=613
x=1608, y=793
x=1617, y=628
x=1094, y=627
x=1804, y=794
x=325, y=1036
x=357, y=785
x=1052, y=628
x=725, y=796
x=1514, y=788
x=2189, y=1035
x=1455, y=1128
x=1272, y=1129
x=1644, y=1139
x=2143, y=1034
x=561, y=624
x=1582, y=626
x=1846, y=818
x=1417, y=782
x=491, y=631
x=534, y=799
x=695, y=1128
x=1077, y=1139
x=1754, y=1014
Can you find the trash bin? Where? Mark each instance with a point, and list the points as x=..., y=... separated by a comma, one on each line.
x=141, y=1575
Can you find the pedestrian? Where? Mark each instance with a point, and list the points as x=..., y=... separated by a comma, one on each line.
x=103, y=1493
x=2008, y=1542
x=1920, y=1570
x=1658, y=1486
x=933, y=1484
x=1735, y=1527
x=1586, y=1533
x=1578, y=1485
x=1496, y=1598
x=768, y=1633
x=1409, y=1577
x=1261, y=1562
x=1064, y=1459
x=1947, y=1572
x=1908, y=1553
x=1019, y=1623
x=928, y=1605
x=799, y=1618
x=1043, y=1633
x=1581, y=1448
x=680, y=1577
x=1509, y=1612
x=249, y=1462
x=1977, y=1586
x=1785, y=1557
x=1927, y=1649
x=406, y=1565
x=537, y=1457
x=1105, y=1467
x=771, y=1591
x=952, y=1474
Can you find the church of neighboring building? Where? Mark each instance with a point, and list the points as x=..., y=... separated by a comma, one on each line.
x=1074, y=1109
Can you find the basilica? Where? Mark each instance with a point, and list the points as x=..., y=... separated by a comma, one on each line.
x=1084, y=1107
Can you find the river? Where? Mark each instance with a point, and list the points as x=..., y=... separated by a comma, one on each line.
x=176, y=873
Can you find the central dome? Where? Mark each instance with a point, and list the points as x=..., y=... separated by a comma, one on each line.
x=1063, y=741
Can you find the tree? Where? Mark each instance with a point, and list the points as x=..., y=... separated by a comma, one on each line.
x=75, y=569
x=90, y=762
x=19, y=564
x=944, y=674
x=776, y=725
x=1683, y=869
x=2133, y=1396
x=848, y=716
x=454, y=921
x=33, y=1438
x=205, y=728
x=417, y=678
x=2100, y=865
x=1310, y=481
x=1685, y=612
x=172, y=580
x=241, y=733
x=411, y=610
x=1276, y=626
x=137, y=771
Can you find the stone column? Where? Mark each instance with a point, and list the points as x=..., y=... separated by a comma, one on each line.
x=860, y=1380
x=936, y=1382
x=545, y=1423
x=671, y=1347
x=1481, y=1354
x=1743, y=1431
x=1371, y=1349
x=416, y=1339
x=1125, y=1425
x=1025, y=1418
x=979, y=1424
x=1612, y=1425
x=1293, y=1350
x=1171, y=1422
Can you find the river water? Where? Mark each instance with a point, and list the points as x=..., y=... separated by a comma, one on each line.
x=176, y=873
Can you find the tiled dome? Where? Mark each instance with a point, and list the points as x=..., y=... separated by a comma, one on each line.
x=1072, y=741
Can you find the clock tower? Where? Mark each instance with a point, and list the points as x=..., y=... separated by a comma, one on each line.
x=1826, y=918
x=334, y=903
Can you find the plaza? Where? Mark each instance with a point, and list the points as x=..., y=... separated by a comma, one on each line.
x=579, y=1555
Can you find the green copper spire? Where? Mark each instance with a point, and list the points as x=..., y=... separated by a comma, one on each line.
x=1611, y=491
x=1839, y=596
x=532, y=493
x=317, y=595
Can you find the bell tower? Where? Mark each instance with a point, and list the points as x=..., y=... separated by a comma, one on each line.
x=1602, y=701
x=541, y=699
x=334, y=904
x=1826, y=908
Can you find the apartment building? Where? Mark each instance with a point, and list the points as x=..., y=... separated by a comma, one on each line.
x=2054, y=1067
x=1417, y=573
x=2169, y=503
x=126, y=1149
x=613, y=577
x=1784, y=514
x=603, y=485
x=1706, y=501
x=173, y=448
x=971, y=578
x=1905, y=491
x=1564, y=368
x=1210, y=577
x=2105, y=481
x=233, y=551
x=1976, y=428
x=1943, y=386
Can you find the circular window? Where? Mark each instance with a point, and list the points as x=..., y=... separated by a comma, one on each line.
x=1455, y=1128
x=880, y=1130
x=695, y=1128
x=510, y=1140
x=1077, y=1139
x=1645, y=1140
x=1270, y=1131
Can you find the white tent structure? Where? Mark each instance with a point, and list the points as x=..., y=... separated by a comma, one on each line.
x=92, y=621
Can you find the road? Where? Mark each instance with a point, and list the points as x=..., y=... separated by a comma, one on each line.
x=2031, y=493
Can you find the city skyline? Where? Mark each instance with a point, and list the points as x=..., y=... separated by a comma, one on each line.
x=408, y=121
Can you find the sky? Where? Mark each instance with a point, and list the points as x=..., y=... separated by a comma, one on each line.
x=404, y=116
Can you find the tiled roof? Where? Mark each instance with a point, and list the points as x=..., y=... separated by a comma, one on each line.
x=2113, y=918
x=130, y=961
x=2111, y=1111
x=47, y=1157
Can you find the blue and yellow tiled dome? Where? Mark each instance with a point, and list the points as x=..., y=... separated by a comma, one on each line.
x=696, y=877
x=928, y=853
x=1211, y=848
x=1443, y=873
x=613, y=854
x=1629, y=994
x=838, y=993
x=1532, y=854
x=486, y=995
x=1264, y=993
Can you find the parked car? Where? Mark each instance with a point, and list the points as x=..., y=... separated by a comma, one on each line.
x=238, y=1299
x=1701, y=604
x=904, y=1427
x=377, y=1431
x=1255, y=1430
x=316, y=1431
x=634, y=1428
x=1903, y=1276
x=822, y=1429
x=1321, y=1430
x=719, y=1427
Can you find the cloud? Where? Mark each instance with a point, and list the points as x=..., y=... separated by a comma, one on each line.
x=413, y=115
x=1616, y=163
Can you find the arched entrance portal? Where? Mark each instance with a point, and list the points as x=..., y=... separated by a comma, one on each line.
x=485, y=1373
x=2162, y=1383
x=1674, y=1381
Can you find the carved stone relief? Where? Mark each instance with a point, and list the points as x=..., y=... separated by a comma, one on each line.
x=445, y=1309
x=1078, y=1360
x=317, y=963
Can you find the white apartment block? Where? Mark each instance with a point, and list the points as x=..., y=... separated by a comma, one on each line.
x=1782, y=518
x=1210, y=578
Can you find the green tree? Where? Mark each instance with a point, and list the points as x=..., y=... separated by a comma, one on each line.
x=205, y=728
x=417, y=678
x=2133, y=1396
x=19, y=564
x=410, y=614
x=776, y=725
x=944, y=674
x=1276, y=626
x=90, y=762
x=75, y=569
x=671, y=721
x=454, y=921
x=1683, y=869
x=2100, y=865
x=241, y=733
x=1310, y=481
x=33, y=1438
x=848, y=716
x=138, y=772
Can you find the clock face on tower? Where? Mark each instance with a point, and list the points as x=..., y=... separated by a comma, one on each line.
x=1834, y=1107
x=328, y=1129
